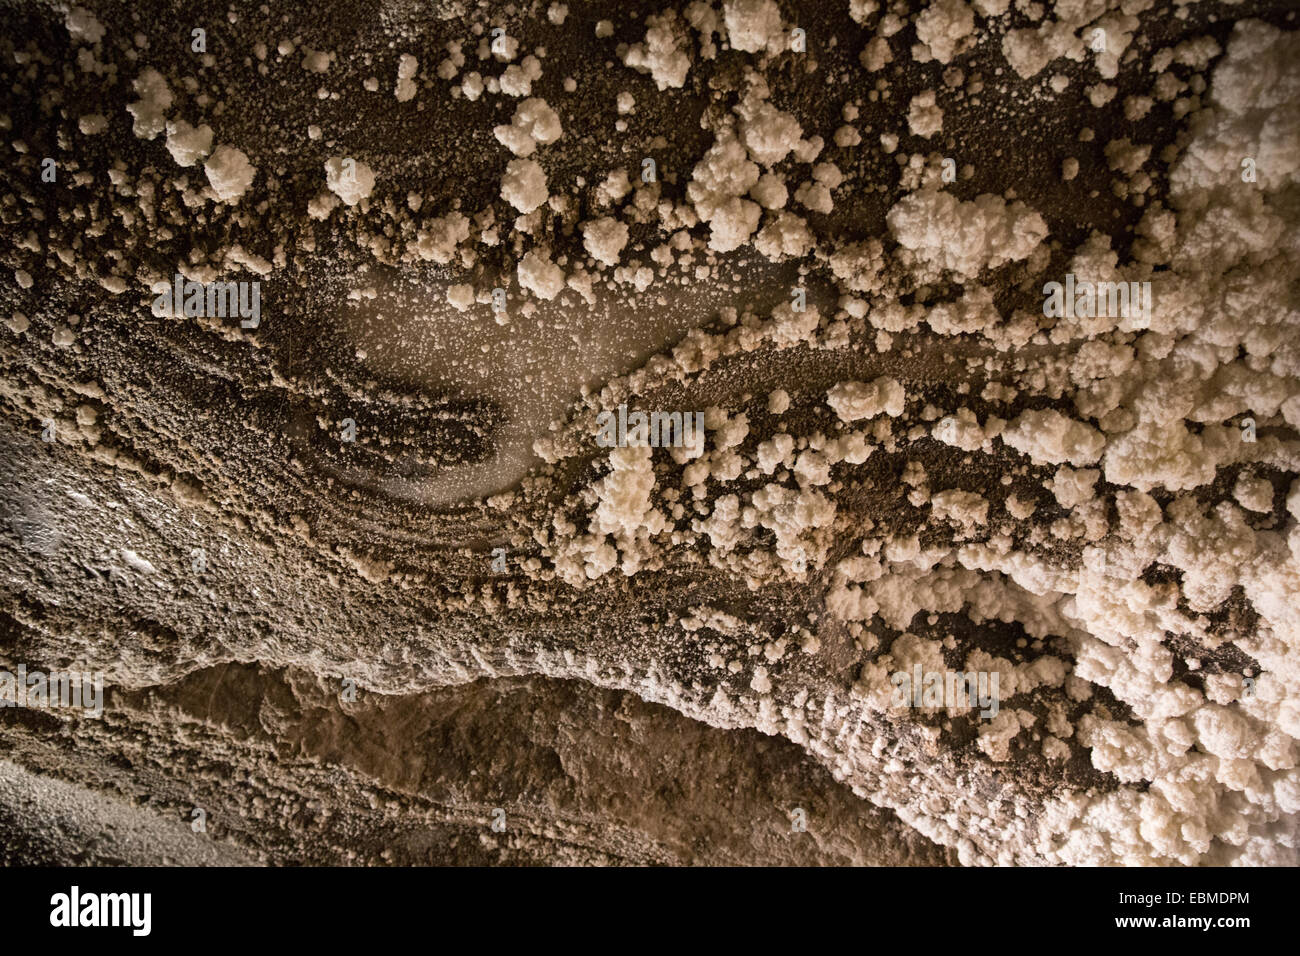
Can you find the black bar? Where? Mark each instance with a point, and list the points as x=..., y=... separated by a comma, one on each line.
x=911, y=906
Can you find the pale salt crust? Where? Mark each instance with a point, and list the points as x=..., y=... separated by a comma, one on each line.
x=533, y=124
x=83, y=26
x=604, y=239
x=188, y=144
x=349, y=179
x=1219, y=766
x=1203, y=777
x=230, y=173
x=965, y=237
x=407, y=67
x=155, y=100
x=524, y=185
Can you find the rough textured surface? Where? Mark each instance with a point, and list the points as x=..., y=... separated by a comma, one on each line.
x=358, y=575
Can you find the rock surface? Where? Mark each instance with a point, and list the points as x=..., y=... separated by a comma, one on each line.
x=364, y=588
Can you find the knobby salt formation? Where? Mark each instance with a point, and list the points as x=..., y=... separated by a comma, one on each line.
x=957, y=572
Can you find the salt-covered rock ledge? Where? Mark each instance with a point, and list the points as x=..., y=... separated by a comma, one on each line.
x=910, y=463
